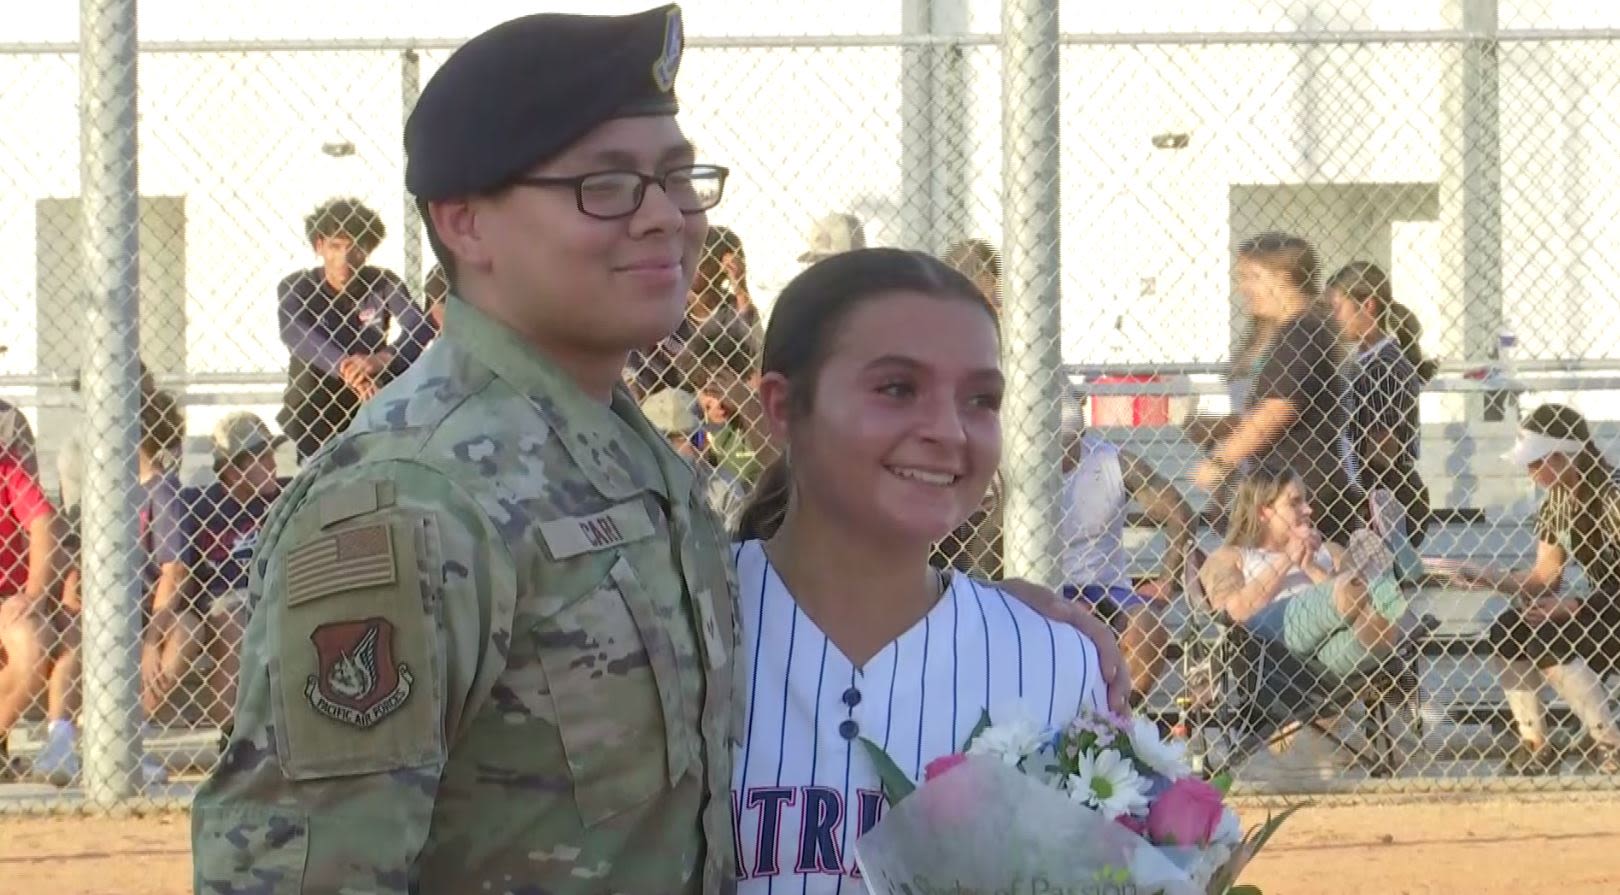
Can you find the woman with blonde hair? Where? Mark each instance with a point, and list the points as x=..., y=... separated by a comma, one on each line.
x=1280, y=579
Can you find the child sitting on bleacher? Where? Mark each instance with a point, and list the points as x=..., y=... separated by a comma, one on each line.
x=1099, y=483
x=1275, y=576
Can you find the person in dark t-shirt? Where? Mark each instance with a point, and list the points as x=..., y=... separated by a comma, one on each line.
x=1296, y=414
x=220, y=529
x=334, y=321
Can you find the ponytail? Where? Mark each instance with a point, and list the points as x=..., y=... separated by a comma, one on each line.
x=1404, y=327
x=767, y=503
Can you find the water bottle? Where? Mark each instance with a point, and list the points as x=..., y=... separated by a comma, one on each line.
x=1507, y=345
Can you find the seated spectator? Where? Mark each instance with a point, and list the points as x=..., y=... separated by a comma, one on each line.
x=1099, y=483
x=58, y=760
x=27, y=567
x=220, y=530
x=1277, y=577
x=70, y=459
x=674, y=413
x=1547, y=635
x=17, y=436
x=172, y=638
x=334, y=322
x=720, y=332
x=737, y=443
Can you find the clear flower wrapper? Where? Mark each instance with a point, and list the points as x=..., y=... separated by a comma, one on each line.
x=989, y=828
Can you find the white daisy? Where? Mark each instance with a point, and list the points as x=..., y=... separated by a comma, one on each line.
x=1166, y=757
x=1011, y=741
x=1108, y=782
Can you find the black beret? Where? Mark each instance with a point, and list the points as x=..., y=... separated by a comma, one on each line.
x=525, y=90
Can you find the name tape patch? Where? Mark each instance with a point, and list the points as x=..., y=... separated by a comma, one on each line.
x=574, y=535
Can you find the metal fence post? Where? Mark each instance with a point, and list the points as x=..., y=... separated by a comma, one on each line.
x=1474, y=152
x=111, y=208
x=1031, y=350
x=934, y=138
x=917, y=126
x=410, y=89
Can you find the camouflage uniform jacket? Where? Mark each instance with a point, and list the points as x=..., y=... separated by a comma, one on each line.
x=490, y=651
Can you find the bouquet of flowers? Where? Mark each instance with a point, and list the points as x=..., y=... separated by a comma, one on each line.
x=1103, y=807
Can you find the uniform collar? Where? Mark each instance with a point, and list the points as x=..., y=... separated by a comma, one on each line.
x=588, y=431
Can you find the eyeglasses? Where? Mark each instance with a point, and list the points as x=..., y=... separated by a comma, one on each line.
x=609, y=195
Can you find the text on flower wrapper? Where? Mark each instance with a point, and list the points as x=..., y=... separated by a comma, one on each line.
x=1035, y=885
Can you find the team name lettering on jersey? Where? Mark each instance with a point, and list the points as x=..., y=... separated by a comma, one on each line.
x=815, y=848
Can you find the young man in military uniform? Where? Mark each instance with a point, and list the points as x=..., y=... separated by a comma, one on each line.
x=491, y=644
x=492, y=638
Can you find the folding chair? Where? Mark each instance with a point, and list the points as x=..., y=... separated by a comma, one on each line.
x=1250, y=692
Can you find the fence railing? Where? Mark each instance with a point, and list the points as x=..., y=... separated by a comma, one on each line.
x=1101, y=182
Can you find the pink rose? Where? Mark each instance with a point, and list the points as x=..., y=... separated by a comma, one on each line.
x=1134, y=824
x=1187, y=813
x=939, y=766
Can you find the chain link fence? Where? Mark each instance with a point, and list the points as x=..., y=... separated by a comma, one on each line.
x=1198, y=227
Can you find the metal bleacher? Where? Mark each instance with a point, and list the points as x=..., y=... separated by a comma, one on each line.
x=1484, y=510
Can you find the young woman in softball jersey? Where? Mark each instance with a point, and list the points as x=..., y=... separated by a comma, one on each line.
x=880, y=377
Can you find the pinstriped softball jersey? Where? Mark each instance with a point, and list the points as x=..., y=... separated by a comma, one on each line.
x=803, y=789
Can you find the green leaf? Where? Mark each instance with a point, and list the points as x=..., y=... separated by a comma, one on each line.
x=1222, y=782
x=981, y=727
x=1244, y=890
x=1272, y=825
x=896, y=785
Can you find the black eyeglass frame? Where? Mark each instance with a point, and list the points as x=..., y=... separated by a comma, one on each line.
x=578, y=184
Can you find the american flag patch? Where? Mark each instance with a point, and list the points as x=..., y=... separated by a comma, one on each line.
x=346, y=560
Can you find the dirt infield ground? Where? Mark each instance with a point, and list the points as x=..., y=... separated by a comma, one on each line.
x=1480, y=848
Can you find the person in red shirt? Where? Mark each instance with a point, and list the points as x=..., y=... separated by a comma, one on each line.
x=27, y=552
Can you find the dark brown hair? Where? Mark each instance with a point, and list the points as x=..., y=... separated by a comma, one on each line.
x=163, y=423
x=1288, y=255
x=805, y=322
x=1563, y=421
x=436, y=287
x=1364, y=281
x=346, y=217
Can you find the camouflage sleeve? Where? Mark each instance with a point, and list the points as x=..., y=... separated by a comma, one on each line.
x=382, y=606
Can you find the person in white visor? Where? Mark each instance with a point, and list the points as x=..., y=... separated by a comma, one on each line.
x=1549, y=635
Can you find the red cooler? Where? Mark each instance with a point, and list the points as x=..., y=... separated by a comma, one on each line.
x=1130, y=410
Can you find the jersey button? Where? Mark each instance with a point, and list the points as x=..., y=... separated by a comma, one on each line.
x=852, y=697
x=849, y=729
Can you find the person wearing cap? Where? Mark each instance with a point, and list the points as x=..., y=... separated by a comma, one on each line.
x=334, y=321
x=833, y=234
x=220, y=529
x=1100, y=481
x=1548, y=635
x=675, y=413
x=492, y=631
